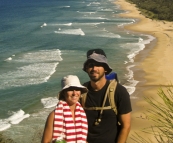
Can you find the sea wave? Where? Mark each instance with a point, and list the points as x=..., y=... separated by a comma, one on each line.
x=71, y=31
x=109, y=35
x=15, y=118
x=37, y=68
x=135, y=48
x=49, y=102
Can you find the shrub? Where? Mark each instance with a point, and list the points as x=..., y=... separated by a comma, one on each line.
x=162, y=116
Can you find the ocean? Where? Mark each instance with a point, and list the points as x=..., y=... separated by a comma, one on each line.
x=42, y=41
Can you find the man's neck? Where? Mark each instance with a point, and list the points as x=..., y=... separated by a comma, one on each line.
x=98, y=84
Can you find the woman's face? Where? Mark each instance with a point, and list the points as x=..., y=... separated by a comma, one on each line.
x=72, y=95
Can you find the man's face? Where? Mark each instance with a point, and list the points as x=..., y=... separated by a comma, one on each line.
x=95, y=70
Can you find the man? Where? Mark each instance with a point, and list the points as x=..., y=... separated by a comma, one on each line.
x=106, y=131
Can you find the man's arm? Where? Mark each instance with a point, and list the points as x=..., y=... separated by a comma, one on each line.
x=48, y=130
x=125, y=120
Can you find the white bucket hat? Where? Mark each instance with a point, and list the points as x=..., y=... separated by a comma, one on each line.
x=71, y=81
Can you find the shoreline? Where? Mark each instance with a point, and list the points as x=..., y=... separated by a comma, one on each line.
x=152, y=65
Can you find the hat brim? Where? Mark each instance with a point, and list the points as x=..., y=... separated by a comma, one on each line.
x=107, y=68
x=83, y=90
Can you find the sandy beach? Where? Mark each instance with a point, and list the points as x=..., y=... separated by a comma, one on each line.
x=153, y=65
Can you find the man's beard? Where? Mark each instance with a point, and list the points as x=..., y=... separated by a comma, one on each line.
x=95, y=79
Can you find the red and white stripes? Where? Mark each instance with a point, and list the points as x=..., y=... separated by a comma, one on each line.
x=73, y=131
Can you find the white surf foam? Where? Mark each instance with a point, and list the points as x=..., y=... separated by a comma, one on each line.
x=93, y=3
x=44, y=24
x=71, y=31
x=135, y=48
x=18, y=120
x=92, y=24
x=57, y=24
x=106, y=9
x=49, y=102
x=4, y=125
x=8, y=59
x=93, y=18
x=97, y=3
x=65, y=6
x=130, y=89
x=15, y=118
x=41, y=56
x=86, y=12
x=131, y=86
x=109, y=35
x=123, y=22
x=61, y=24
x=28, y=75
x=38, y=68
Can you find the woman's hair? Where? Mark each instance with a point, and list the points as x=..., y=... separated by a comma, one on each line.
x=62, y=96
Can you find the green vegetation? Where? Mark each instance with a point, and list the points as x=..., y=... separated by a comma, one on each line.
x=155, y=9
x=35, y=139
x=3, y=139
x=162, y=116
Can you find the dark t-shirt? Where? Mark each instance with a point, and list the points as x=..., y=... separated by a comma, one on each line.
x=106, y=131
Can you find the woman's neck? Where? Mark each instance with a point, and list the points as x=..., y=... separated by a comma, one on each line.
x=72, y=108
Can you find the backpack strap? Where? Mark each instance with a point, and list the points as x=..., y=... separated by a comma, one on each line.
x=98, y=108
x=83, y=100
x=83, y=96
x=110, y=92
x=112, y=87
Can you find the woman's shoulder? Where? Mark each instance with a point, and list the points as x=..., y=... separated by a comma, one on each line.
x=51, y=115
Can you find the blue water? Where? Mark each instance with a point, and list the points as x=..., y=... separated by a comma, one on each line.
x=42, y=41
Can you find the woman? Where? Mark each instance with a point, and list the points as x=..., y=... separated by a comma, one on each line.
x=68, y=120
